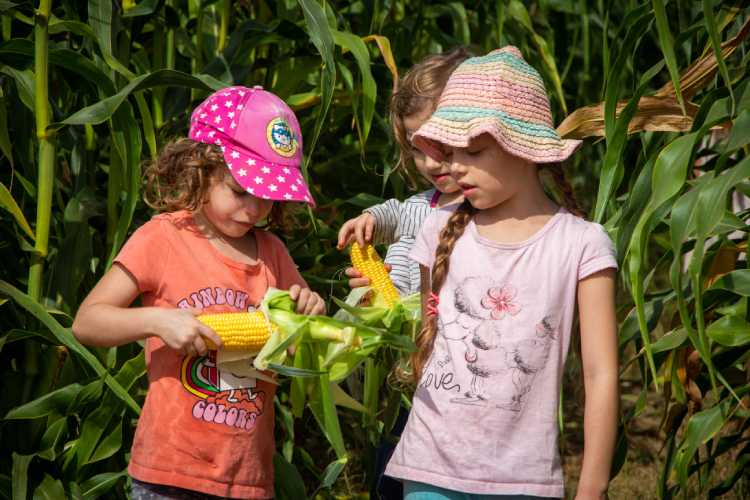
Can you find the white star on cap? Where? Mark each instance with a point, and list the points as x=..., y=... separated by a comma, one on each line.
x=240, y=106
x=307, y=198
x=250, y=162
x=265, y=196
x=233, y=125
x=273, y=187
x=212, y=133
x=281, y=179
x=287, y=196
x=241, y=93
x=214, y=107
x=242, y=172
x=235, y=155
x=203, y=115
x=217, y=119
x=226, y=94
x=287, y=171
x=258, y=180
x=266, y=170
x=223, y=148
x=250, y=190
x=197, y=133
x=299, y=181
x=294, y=188
x=230, y=166
x=229, y=104
x=230, y=114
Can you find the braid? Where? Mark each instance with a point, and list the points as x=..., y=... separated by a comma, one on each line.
x=452, y=231
x=569, y=200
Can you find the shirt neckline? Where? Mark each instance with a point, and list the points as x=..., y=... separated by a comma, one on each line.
x=474, y=231
x=243, y=266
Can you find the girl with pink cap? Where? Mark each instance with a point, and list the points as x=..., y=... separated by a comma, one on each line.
x=503, y=274
x=198, y=436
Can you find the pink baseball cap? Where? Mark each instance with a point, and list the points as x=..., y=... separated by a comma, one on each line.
x=260, y=138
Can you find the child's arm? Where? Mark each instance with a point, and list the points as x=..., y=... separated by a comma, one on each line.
x=596, y=306
x=377, y=224
x=104, y=318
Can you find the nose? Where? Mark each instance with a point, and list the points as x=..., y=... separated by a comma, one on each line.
x=457, y=168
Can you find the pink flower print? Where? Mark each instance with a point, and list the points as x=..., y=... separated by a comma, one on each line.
x=499, y=300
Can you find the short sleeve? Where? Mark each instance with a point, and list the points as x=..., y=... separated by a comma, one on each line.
x=597, y=253
x=281, y=263
x=145, y=254
x=427, y=239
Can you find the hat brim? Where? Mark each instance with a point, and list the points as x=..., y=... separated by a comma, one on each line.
x=438, y=132
x=259, y=177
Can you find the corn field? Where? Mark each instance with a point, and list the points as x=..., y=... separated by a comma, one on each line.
x=659, y=90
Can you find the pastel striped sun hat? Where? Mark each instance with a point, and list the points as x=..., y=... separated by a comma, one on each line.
x=498, y=94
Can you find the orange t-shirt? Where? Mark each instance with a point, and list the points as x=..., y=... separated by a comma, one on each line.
x=202, y=429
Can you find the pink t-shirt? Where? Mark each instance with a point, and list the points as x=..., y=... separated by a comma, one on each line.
x=484, y=419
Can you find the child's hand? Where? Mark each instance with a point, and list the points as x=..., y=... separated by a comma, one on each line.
x=308, y=302
x=179, y=329
x=361, y=228
x=356, y=279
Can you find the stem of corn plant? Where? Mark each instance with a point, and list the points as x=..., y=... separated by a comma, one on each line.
x=46, y=160
x=158, y=63
x=6, y=27
x=226, y=10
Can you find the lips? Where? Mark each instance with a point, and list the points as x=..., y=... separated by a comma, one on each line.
x=440, y=177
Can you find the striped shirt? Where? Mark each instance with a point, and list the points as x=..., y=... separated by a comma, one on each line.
x=397, y=224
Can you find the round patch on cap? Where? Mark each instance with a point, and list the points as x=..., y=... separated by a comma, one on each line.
x=281, y=138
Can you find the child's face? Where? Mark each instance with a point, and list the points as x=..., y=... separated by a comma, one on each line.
x=437, y=173
x=231, y=209
x=487, y=174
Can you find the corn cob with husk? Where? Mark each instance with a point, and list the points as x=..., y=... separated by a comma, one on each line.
x=367, y=261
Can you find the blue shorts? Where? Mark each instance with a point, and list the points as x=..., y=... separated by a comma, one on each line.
x=421, y=491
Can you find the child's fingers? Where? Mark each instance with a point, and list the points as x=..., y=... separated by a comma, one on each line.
x=294, y=291
x=345, y=233
x=369, y=227
x=358, y=282
x=320, y=306
x=200, y=345
x=352, y=272
x=211, y=335
x=301, y=300
x=360, y=233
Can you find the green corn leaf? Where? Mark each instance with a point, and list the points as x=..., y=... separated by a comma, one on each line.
x=715, y=40
x=104, y=109
x=56, y=401
x=20, y=478
x=49, y=489
x=737, y=282
x=701, y=427
x=53, y=439
x=667, y=48
x=322, y=38
x=66, y=338
x=730, y=331
x=100, y=484
x=9, y=203
x=358, y=49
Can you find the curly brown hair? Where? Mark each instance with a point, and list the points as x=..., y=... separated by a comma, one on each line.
x=420, y=87
x=179, y=179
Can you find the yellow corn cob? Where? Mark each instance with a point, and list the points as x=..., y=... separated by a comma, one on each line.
x=367, y=261
x=246, y=331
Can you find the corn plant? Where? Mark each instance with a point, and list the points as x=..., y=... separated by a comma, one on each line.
x=89, y=89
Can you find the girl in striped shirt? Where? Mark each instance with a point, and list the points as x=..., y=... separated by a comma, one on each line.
x=396, y=223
